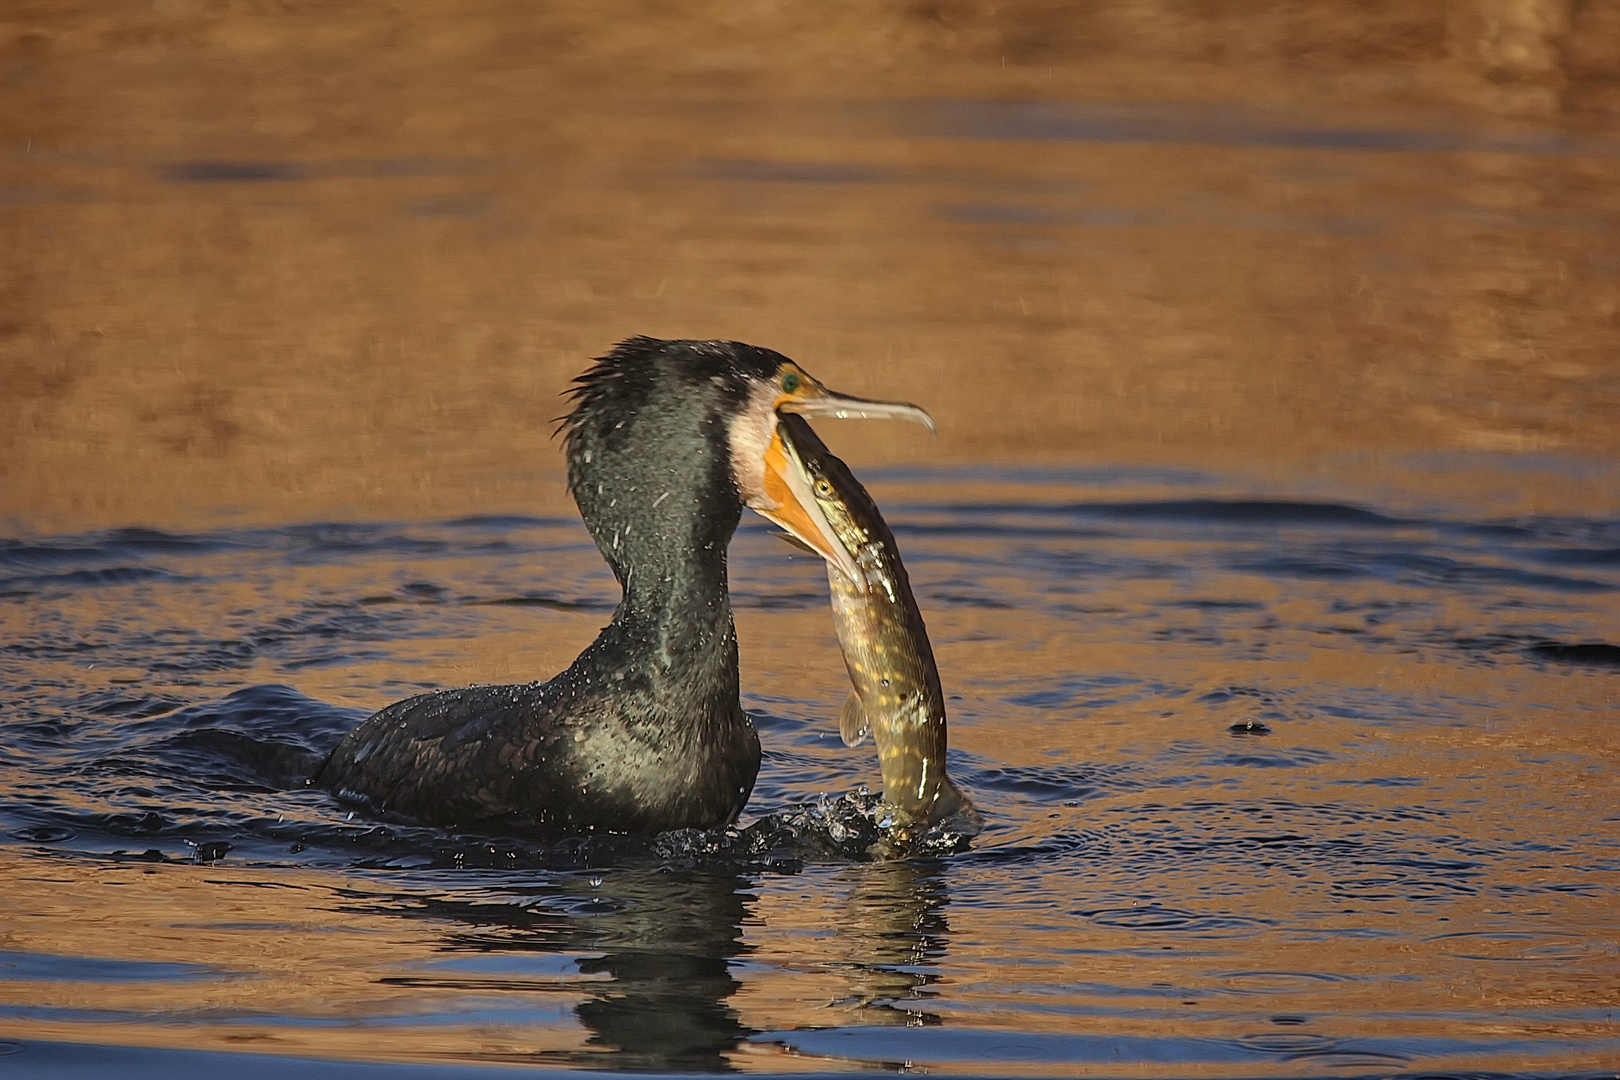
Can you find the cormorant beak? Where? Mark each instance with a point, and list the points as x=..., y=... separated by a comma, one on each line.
x=789, y=485
x=813, y=399
x=787, y=482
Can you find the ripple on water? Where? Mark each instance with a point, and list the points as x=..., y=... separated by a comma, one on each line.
x=902, y=1046
x=1270, y=983
x=1157, y=917
x=1297, y=757
x=46, y=586
x=1323, y=1050
x=1055, y=783
x=43, y=967
x=1520, y=946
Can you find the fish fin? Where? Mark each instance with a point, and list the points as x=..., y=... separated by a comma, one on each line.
x=853, y=723
x=796, y=542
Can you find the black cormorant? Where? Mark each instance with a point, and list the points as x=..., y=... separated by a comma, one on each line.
x=666, y=442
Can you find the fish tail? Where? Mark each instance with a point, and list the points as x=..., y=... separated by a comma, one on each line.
x=955, y=810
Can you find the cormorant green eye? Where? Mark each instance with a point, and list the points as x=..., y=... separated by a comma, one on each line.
x=790, y=383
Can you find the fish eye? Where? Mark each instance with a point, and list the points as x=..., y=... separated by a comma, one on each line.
x=790, y=383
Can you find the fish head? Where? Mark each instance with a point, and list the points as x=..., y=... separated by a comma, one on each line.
x=808, y=504
x=827, y=493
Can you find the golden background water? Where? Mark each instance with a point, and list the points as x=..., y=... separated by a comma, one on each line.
x=292, y=261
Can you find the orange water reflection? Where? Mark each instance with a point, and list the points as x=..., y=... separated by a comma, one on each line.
x=240, y=282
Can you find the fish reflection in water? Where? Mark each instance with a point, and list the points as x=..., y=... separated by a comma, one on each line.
x=896, y=695
x=895, y=933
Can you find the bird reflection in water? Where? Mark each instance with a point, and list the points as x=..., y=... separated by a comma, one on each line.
x=666, y=1006
x=665, y=939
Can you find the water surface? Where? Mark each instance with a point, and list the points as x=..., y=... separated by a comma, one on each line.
x=1275, y=786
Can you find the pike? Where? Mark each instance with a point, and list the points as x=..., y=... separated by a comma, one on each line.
x=896, y=695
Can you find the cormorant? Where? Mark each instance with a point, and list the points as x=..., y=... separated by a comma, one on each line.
x=644, y=732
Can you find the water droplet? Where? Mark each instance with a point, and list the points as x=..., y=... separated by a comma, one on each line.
x=596, y=882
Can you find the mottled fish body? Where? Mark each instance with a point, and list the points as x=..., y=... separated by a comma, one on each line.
x=896, y=695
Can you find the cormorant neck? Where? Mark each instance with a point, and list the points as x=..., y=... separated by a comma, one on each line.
x=649, y=463
x=673, y=569
x=674, y=621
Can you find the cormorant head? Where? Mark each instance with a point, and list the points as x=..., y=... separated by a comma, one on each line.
x=682, y=434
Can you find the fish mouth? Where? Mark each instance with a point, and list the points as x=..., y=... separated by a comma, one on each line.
x=788, y=484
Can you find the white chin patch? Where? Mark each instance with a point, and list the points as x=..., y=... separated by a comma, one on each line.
x=750, y=435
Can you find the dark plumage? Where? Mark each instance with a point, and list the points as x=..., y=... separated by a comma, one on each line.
x=645, y=731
